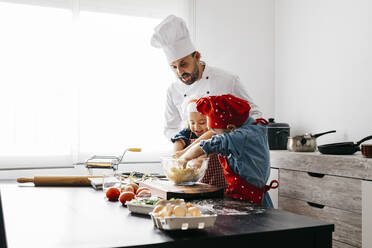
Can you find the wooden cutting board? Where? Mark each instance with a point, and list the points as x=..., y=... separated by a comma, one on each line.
x=166, y=189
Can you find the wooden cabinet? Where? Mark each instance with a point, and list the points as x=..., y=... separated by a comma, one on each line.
x=367, y=213
x=335, y=189
x=274, y=175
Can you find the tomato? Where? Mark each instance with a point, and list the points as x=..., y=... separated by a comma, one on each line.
x=134, y=185
x=126, y=196
x=140, y=189
x=113, y=194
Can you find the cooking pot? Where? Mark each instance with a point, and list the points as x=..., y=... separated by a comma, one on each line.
x=343, y=148
x=277, y=135
x=304, y=143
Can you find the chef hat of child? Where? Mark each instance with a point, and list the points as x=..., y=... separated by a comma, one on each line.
x=191, y=106
x=173, y=36
x=223, y=110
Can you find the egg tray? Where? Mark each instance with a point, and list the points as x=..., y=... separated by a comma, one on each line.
x=184, y=223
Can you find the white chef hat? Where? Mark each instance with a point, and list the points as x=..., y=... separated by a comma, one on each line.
x=173, y=36
x=188, y=106
x=191, y=106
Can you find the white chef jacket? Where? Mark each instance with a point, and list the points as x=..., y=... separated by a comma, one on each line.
x=213, y=82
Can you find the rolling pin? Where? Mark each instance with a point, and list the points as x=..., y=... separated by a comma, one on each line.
x=57, y=180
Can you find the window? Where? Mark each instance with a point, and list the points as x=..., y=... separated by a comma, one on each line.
x=81, y=79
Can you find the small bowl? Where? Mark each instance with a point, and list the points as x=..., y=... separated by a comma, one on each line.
x=367, y=150
x=189, y=175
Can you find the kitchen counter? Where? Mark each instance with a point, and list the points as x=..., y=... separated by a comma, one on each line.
x=353, y=166
x=82, y=217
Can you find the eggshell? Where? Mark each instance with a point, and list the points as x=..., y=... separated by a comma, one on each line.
x=144, y=193
x=179, y=211
x=193, y=211
x=157, y=209
x=162, y=202
x=188, y=205
x=178, y=201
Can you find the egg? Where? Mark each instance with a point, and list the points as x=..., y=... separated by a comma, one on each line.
x=188, y=205
x=193, y=211
x=179, y=211
x=167, y=211
x=162, y=202
x=178, y=201
x=158, y=208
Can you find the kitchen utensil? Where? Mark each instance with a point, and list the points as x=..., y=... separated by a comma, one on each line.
x=184, y=175
x=57, y=180
x=304, y=143
x=367, y=150
x=166, y=189
x=343, y=148
x=277, y=135
x=106, y=162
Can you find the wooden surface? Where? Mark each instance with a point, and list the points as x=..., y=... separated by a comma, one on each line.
x=82, y=217
x=367, y=213
x=338, y=192
x=354, y=166
x=337, y=244
x=334, y=182
x=167, y=190
x=348, y=225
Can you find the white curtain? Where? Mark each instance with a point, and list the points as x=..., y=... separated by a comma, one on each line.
x=79, y=78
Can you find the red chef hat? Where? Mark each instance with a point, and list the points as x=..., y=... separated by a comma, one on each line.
x=223, y=110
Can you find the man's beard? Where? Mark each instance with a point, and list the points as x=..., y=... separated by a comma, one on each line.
x=192, y=77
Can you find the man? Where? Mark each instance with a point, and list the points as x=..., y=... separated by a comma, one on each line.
x=196, y=79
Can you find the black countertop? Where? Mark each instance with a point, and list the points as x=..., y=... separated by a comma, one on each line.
x=82, y=217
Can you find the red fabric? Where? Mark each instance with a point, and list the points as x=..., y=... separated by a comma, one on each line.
x=214, y=174
x=262, y=121
x=223, y=110
x=238, y=188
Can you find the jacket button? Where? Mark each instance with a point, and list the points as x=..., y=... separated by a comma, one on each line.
x=184, y=95
x=207, y=92
x=207, y=77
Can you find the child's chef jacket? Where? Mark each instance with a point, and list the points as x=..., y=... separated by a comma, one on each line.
x=214, y=82
x=247, y=152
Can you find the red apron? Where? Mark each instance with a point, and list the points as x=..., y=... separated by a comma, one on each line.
x=214, y=174
x=238, y=188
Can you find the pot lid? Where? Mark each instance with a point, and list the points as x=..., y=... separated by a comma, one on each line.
x=273, y=124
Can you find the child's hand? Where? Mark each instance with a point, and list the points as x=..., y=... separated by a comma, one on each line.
x=182, y=163
x=178, y=154
x=196, y=163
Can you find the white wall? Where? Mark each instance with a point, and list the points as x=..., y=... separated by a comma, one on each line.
x=323, y=67
x=238, y=36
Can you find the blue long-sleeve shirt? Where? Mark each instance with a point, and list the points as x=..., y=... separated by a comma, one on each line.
x=186, y=135
x=247, y=152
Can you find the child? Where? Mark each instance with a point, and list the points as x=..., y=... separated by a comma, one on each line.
x=197, y=126
x=242, y=147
